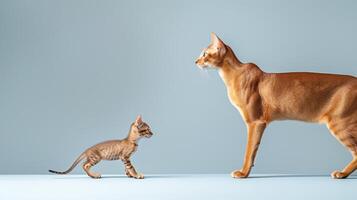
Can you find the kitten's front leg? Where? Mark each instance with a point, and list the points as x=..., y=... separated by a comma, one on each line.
x=255, y=133
x=130, y=170
x=128, y=173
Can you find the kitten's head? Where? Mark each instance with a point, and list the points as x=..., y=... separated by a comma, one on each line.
x=213, y=55
x=141, y=128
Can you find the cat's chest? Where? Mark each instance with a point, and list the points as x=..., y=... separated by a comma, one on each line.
x=233, y=93
x=234, y=99
x=232, y=90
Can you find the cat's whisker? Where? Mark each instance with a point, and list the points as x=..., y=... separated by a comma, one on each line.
x=205, y=72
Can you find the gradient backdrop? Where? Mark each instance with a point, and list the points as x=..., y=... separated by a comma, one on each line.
x=74, y=73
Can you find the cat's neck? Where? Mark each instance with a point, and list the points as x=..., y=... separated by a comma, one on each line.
x=231, y=66
x=233, y=71
x=231, y=60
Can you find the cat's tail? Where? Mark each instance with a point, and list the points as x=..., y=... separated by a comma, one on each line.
x=75, y=163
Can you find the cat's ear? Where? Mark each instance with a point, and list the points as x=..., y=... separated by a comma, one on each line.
x=138, y=120
x=217, y=43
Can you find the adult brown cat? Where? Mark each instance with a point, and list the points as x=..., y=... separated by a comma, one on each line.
x=114, y=150
x=264, y=97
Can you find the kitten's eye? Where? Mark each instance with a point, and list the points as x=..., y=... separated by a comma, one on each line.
x=204, y=54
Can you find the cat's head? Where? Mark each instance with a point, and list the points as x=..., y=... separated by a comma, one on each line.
x=141, y=128
x=213, y=55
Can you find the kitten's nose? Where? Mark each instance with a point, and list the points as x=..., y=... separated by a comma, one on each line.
x=148, y=135
x=196, y=61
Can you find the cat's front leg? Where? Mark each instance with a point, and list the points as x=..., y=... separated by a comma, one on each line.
x=255, y=133
x=130, y=170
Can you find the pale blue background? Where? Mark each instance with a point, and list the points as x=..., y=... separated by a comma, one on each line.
x=74, y=73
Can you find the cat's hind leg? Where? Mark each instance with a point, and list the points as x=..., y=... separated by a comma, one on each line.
x=91, y=161
x=349, y=169
x=346, y=133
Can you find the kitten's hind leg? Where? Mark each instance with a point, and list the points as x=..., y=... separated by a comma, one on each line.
x=91, y=161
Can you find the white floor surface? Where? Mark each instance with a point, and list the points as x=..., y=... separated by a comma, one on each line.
x=183, y=187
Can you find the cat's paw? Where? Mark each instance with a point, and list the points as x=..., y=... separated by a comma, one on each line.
x=239, y=174
x=338, y=175
x=139, y=176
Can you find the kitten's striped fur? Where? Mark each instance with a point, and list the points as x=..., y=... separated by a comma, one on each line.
x=114, y=150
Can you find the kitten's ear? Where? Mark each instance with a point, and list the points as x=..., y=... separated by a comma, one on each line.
x=138, y=120
x=216, y=42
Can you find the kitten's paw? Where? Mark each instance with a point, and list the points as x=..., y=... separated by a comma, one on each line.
x=139, y=176
x=239, y=174
x=128, y=174
x=96, y=175
x=338, y=175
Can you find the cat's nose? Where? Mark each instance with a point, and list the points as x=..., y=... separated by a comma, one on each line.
x=196, y=61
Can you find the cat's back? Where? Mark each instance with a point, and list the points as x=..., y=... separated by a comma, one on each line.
x=305, y=82
x=314, y=77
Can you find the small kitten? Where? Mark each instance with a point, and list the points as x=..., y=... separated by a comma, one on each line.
x=114, y=150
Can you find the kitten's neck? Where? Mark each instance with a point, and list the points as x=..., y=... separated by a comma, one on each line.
x=132, y=137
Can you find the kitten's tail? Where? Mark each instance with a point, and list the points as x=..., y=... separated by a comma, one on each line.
x=75, y=163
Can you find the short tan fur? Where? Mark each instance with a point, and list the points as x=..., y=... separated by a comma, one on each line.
x=262, y=97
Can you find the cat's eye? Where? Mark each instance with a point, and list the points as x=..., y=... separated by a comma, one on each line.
x=204, y=54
